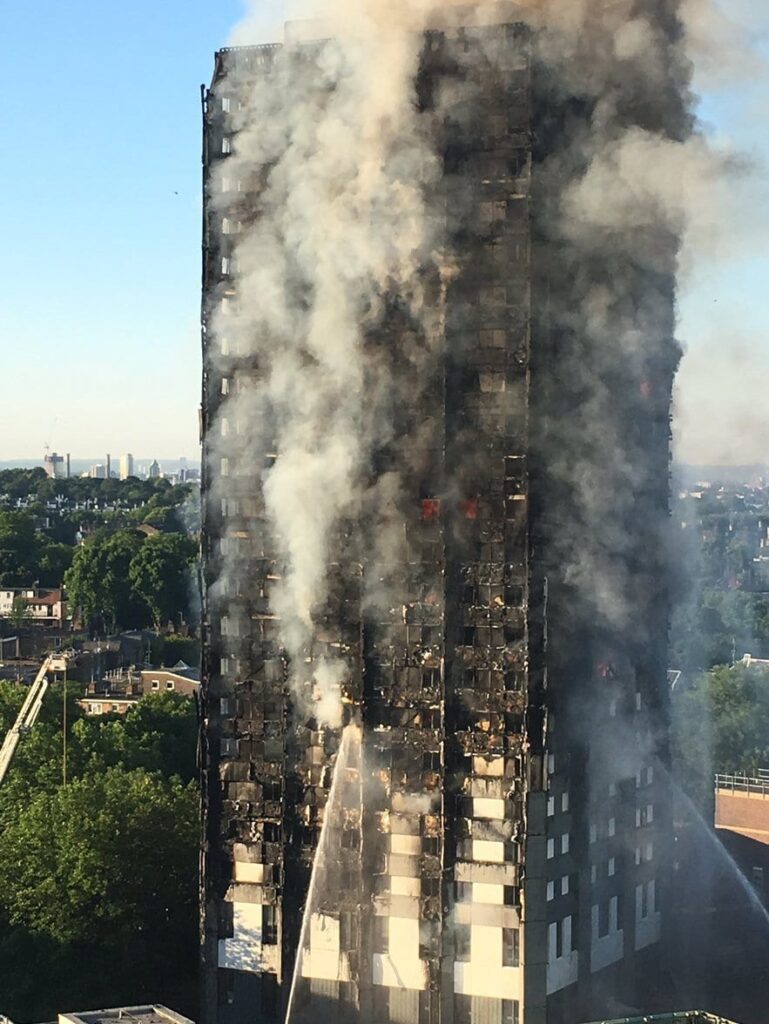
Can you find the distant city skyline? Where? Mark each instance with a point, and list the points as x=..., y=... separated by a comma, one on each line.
x=80, y=463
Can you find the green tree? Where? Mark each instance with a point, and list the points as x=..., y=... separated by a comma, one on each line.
x=99, y=582
x=19, y=547
x=721, y=724
x=159, y=574
x=104, y=869
x=180, y=648
x=19, y=611
x=55, y=559
x=106, y=856
x=158, y=734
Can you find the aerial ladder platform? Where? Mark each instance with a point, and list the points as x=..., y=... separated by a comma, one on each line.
x=30, y=709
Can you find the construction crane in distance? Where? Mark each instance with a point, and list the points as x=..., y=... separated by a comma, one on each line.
x=30, y=709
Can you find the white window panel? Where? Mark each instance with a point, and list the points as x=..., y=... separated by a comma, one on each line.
x=550, y=891
x=550, y=849
x=565, y=843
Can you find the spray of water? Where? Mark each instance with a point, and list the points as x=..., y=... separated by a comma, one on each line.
x=351, y=740
x=717, y=847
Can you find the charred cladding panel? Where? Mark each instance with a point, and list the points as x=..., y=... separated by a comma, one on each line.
x=436, y=492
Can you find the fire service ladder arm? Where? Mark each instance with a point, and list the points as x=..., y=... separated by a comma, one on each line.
x=30, y=709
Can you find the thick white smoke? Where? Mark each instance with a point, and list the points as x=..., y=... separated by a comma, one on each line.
x=348, y=220
x=344, y=220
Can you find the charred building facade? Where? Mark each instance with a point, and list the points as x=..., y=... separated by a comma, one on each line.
x=495, y=849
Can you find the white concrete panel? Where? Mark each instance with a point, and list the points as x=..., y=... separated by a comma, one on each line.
x=484, y=974
x=409, y=846
x=324, y=933
x=243, y=952
x=391, y=972
x=401, y=966
x=483, y=893
x=400, y=886
x=325, y=966
x=488, y=808
x=488, y=850
x=398, y=864
x=252, y=874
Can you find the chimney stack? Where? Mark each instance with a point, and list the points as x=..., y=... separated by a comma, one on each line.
x=109, y=467
x=68, y=465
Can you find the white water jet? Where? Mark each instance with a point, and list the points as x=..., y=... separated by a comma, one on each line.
x=352, y=736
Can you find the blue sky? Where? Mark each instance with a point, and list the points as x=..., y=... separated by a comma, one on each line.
x=100, y=185
x=100, y=267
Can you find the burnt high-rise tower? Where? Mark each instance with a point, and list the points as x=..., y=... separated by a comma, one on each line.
x=438, y=361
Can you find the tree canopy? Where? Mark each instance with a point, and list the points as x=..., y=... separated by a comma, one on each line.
x=27, y=555
x=110, y=853
x=129, y=580
x=158, y=574
x=104, y=868
x=721, y=724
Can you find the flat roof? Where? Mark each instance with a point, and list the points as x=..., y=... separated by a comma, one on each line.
x=129, y=1014
x=674, y=1017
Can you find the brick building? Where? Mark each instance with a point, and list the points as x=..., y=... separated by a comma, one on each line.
x=39, y=605
x=742, y=823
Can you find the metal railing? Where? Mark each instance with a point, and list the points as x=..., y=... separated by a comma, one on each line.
x=743, y=784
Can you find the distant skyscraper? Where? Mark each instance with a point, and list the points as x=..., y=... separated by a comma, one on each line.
x=54, y=465
x=154, y=470
x=495, y=585
x=126, y=466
